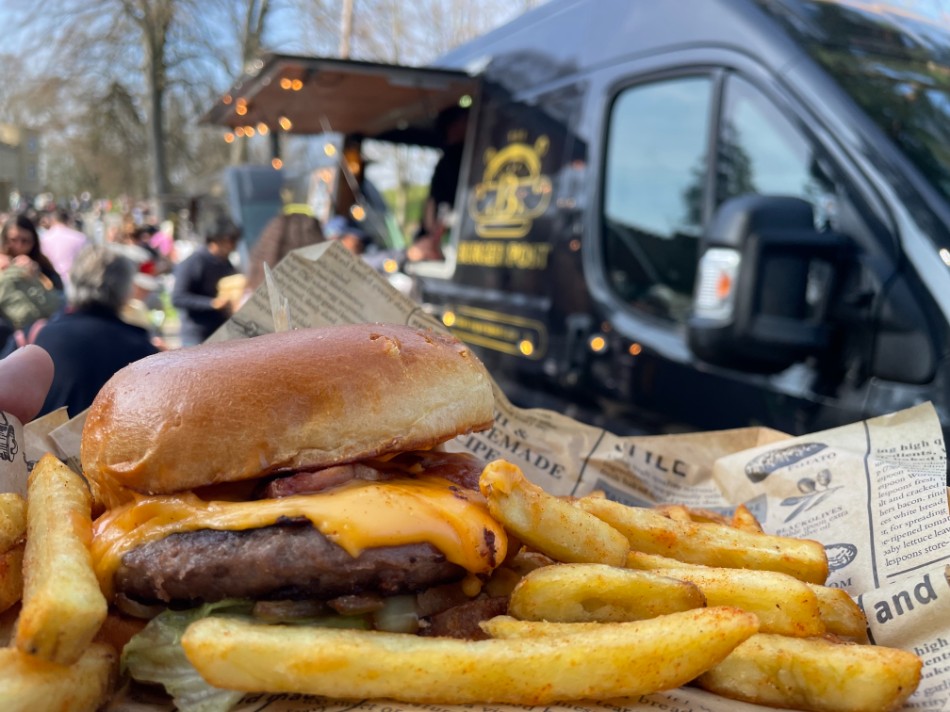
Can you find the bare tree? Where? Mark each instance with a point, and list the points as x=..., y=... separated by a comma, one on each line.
x=116, y=87
x=168, y=58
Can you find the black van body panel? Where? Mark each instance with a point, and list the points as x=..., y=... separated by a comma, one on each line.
x=646, y=372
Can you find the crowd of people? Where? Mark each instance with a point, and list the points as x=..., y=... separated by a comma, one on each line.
x=96, y=303
x=96, y=300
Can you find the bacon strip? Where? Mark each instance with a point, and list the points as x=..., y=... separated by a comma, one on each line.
x=460, y=468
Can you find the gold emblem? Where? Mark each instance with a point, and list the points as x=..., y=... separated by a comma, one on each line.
x=513, y=191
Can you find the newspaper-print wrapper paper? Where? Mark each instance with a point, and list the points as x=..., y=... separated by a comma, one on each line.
x=873, y=492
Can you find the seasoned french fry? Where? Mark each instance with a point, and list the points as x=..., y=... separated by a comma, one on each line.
x=542, y=521
x=815, y=674
x=632, y=659
x=783, y=604
x=28, y=684
x=711, y=544
x=676, y=512
x=682, y=513
x=511, y=627
x=12, y=520
x=646, y=562
x=708, y=516
x=745, y=520
x=63, y=606
x=11, y=577
x=594, y=592
x=840, y=614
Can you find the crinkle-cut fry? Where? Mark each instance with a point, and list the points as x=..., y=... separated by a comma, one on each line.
x=783, y=604
x=595, y=592
x=613, y=660
x=841, y=615
x=745, y=520
x=11, y=577
x=547, y=523
x=711, y=544
x=63, y=606
x=815, y=674
x=12, y=520
x=28, y=684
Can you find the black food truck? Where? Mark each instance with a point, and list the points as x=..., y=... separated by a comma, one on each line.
x=689, y=214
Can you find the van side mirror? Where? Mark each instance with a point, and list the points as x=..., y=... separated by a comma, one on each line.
x=765, y=281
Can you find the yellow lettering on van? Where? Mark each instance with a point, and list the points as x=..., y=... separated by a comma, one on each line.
x=481, y=254
x=527, y=255
x=514, y=255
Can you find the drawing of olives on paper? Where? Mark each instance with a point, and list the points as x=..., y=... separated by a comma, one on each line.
x=814, y=491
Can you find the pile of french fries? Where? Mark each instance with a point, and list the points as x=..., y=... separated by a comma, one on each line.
x=53, y=661
x=605, y=601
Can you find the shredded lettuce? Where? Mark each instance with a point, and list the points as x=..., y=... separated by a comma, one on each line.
x=155, y=655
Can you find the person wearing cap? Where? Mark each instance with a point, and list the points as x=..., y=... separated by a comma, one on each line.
x=195, y=293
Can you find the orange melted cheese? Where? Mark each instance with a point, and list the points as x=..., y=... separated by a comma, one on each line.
x=356, y=516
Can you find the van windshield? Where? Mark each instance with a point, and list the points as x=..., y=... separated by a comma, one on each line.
x=893, y=59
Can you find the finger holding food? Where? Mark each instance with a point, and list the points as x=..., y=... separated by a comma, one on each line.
x=547, y=523
x=632, y=659
x=571, y=593
x=63, y=607
x=27, y=374
x=815, y=674
x=711, y=544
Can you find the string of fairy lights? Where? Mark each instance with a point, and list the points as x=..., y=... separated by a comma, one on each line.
x=261, y=128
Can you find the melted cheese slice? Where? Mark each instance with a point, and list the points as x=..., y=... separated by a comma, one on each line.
x=356, y=516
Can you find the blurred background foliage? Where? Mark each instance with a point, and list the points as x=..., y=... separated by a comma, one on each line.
x=116, y=87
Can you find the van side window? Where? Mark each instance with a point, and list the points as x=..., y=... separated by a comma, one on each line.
x=654, y=173
x=761, y=151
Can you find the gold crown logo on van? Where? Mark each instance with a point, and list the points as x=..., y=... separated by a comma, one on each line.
x=513, y=191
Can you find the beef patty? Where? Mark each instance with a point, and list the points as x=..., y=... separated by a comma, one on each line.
x=284, y=561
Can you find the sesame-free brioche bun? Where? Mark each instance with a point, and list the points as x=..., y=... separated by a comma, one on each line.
x=310, y=398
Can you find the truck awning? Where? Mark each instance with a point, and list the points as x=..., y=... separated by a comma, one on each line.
x=312, y=95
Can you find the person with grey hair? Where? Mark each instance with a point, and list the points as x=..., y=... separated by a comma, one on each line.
x=89, y=342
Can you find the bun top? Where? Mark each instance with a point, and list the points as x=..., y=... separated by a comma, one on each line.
x=236, y=410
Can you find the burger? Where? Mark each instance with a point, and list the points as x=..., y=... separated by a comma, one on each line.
x=299, y=473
